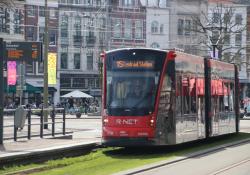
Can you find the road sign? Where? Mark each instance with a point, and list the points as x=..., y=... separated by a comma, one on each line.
x=23, y=51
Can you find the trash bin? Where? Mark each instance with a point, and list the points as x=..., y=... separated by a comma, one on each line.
x=20, y=117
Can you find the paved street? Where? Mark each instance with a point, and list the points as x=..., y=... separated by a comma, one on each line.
x=230, y=161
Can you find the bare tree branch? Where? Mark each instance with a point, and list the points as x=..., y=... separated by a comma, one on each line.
x=218, y=29
x=7, y=3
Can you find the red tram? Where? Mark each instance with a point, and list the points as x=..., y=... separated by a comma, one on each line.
x=158, y=97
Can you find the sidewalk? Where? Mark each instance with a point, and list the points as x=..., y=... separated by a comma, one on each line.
x=83, y=138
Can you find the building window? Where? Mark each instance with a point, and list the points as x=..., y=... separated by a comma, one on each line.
x=161, y=29
x=91, y=83
x=238, y=39
x=154, y=27
x=17, y=21
x=64, y=26
x=215, y=36
x=52, y=38
x=138, y=29
x=90, y=62
x=227, y=39
x=29, y=67
x=42, y=11
x=227, y=57
x=238, y=60
x=226, y=18
x=194, y=27
x=155, y=45
x=117, y=28
x=4, y=20
x=64, y=60
x=77, y=61
x=30, y=33
x=238, y=19
x=127, y=29
x=128, y=3
x=31, y=10
x=187, y=27
x=41, y=34
x=52, y=13
x=180, y=26
x=78, y=82
x=78, y=26
x=40, y=67
x=216, y=17
x=65, y=82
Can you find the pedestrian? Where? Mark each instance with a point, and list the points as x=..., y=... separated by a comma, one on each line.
x=86, y=107
x=71, y=104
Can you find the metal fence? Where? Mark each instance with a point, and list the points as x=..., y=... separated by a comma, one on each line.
x=34, y=125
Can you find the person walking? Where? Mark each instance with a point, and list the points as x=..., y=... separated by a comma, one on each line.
x=71, y=105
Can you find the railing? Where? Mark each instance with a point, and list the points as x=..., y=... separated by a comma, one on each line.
x=34, y=115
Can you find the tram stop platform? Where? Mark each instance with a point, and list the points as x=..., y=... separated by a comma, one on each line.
x=84, y=139
x=11, y=151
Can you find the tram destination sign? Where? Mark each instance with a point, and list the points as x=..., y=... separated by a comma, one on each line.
x=23, y=51
x=134, y=64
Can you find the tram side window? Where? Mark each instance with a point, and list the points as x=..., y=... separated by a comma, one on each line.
x=178, y=95
x=192, y=88
x=231, y=97
x=226, y=97
x=185, y=96
x=189, y=95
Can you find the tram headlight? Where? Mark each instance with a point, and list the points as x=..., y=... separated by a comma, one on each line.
x=152, y=122
x=105, y=121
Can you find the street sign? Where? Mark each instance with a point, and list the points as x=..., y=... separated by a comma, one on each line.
x=23, y=51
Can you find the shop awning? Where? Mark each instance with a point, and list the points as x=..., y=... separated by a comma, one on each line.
x=39, y=84
x=28, y=88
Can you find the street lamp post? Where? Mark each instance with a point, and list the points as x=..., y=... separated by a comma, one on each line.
x=45, y=68
x=1, y=91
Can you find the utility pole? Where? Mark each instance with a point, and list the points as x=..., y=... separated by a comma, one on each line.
x=45, y=68
x=1, y=90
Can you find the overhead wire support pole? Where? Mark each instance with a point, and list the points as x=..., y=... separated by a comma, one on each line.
x=1, y=90
x=45, y=68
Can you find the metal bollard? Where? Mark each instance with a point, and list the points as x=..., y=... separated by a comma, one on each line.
x=41, y=124
x=29, y=123
x=15, y=133
x=53, y=121
x=63, y=121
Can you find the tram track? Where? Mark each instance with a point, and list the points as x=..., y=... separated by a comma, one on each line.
x=218, y=172
x=198, y=154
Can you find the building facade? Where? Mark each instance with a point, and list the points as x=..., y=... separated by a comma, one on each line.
x=82, y=37
x=157, y=24
x=127, y=24
x=34, y=31
x=183, y=33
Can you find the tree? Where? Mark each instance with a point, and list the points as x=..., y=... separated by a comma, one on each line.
x=6, y=3
x=218, y=28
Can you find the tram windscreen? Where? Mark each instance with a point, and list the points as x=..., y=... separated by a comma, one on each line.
x=132, y=81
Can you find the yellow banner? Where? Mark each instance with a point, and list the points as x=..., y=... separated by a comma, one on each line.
x=52, y=68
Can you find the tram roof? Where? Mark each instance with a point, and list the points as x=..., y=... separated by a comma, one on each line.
x=139, y=48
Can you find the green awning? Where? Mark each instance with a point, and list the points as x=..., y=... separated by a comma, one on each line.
x=29, y=89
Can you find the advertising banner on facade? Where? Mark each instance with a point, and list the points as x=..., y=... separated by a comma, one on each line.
x=11, y=69
x=52, y=68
